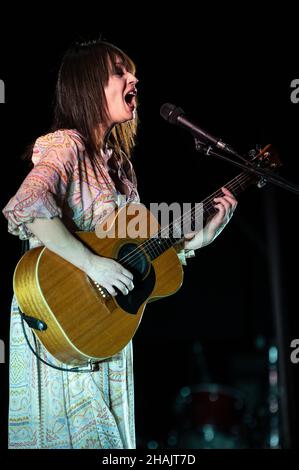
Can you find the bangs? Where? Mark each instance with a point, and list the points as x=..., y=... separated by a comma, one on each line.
x=116, y=54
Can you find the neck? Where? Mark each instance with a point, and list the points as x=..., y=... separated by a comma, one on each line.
x=174, y=233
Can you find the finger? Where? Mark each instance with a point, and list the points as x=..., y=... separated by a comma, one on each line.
x=224, y=202
x=120, y=269
x=111, y=290
x=230, y=195
x=126, y=281
x=221, y=212
x=121, y=286
x=127, y=273
x=229, y=203
x=227, y=192
x=189, y=236
x=232, y=201
x=222, y=216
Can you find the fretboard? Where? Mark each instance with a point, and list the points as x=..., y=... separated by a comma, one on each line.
x=173, y=234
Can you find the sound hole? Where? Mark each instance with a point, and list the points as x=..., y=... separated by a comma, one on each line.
x=133, y=258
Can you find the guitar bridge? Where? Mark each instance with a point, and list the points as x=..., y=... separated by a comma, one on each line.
x=101, y=290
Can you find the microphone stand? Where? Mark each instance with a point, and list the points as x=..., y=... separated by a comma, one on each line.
x=279, y=327
x=248, y=166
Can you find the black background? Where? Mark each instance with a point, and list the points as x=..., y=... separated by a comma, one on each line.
x=237, y=87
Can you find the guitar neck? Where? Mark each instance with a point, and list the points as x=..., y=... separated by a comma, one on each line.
x=236, y=186
x=173, y=233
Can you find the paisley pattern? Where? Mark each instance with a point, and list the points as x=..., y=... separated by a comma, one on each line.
x=65, y=183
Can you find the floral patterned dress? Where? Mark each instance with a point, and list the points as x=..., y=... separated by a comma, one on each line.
x=48, y=408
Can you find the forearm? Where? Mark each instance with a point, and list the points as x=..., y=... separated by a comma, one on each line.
x=105, y=271
x=57, y=238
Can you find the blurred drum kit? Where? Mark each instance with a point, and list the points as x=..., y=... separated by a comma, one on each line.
x=211, y=416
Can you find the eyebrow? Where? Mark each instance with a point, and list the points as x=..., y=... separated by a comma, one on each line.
x=122, y=64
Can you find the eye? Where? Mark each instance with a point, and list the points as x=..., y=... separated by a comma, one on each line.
x=118, y=71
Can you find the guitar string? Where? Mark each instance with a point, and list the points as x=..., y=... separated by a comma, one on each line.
x=206, y=204
x=233, y=183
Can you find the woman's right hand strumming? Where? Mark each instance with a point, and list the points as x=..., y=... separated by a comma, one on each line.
x=56, y=237
x=109, y=274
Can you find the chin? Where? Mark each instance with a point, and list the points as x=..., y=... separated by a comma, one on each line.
x=129, y=117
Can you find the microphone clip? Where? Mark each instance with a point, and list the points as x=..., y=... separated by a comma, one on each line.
x=201, y=146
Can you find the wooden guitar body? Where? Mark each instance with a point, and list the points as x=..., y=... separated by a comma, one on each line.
x=83, y=322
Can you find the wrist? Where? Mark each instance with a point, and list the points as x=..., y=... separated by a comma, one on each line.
x=201, y=239
x=88, y=258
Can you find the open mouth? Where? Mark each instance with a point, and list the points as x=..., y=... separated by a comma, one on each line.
x=130, y=99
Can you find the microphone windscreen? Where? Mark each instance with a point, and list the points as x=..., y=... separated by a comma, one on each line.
x=170, y=112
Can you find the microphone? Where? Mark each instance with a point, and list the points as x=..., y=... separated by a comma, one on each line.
x=175, y=115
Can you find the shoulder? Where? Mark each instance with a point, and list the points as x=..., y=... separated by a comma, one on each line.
x=63, y=145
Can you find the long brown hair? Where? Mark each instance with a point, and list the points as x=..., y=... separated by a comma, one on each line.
x=80, y=101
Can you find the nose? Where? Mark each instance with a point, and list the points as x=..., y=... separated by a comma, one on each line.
x=132, y=78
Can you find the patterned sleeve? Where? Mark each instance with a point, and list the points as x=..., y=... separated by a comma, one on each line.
x=42, y=192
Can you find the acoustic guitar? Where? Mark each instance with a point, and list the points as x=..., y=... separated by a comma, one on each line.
x=80, y=321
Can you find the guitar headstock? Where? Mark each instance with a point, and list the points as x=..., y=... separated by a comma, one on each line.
x=266, y=157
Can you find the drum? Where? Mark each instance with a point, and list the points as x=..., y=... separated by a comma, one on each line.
x=211, y=416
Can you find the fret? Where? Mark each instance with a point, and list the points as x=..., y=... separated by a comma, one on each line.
x=173, y=233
